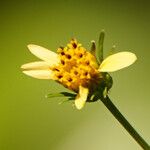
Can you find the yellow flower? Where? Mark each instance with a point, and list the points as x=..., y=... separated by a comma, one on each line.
x=75, y=68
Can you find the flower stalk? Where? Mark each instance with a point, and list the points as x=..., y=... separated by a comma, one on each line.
x=123, y=121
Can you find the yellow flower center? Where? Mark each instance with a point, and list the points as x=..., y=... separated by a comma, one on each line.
x=77, y=67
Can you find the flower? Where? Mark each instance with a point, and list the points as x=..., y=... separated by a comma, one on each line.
x=75, y=68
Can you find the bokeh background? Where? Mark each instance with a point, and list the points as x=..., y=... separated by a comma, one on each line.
x=29, y=121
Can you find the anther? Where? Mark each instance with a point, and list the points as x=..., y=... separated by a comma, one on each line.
x=74, y=45
x=68, y=56
x=59, y=76
x=62, y=62
x=55, y=69
x=75, y=72
x=80, y=55
x=62, y=53
x=70, y=79
x=86, y=73
x=87, y=62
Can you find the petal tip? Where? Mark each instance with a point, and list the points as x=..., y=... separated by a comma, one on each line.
x=81, y=97
x=30, y=45
x=44, y=54
x=79, y=105
x=22, y=67
x=26, y=73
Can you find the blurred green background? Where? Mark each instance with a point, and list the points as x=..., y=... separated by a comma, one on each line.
x=29, y=121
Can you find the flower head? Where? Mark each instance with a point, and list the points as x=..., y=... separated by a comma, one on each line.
x=76, y=68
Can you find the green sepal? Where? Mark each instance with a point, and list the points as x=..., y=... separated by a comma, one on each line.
x=70, y=96
x=99, y=52
x=108, y=81
x=105, y=92
x=64, y=101
x=95, y=96
x=93, y=48
x=102, y=89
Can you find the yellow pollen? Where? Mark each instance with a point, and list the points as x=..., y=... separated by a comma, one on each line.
x=77, y=67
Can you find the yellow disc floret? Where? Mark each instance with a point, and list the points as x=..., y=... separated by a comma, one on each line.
x=77, y=67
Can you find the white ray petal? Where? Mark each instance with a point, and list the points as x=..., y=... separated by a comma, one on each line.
x=38, y=65
x=117, y=61
x=50, y=57
x=40, y=74
x=81, y=97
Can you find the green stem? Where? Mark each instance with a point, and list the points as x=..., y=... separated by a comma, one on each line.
x=117, y=114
